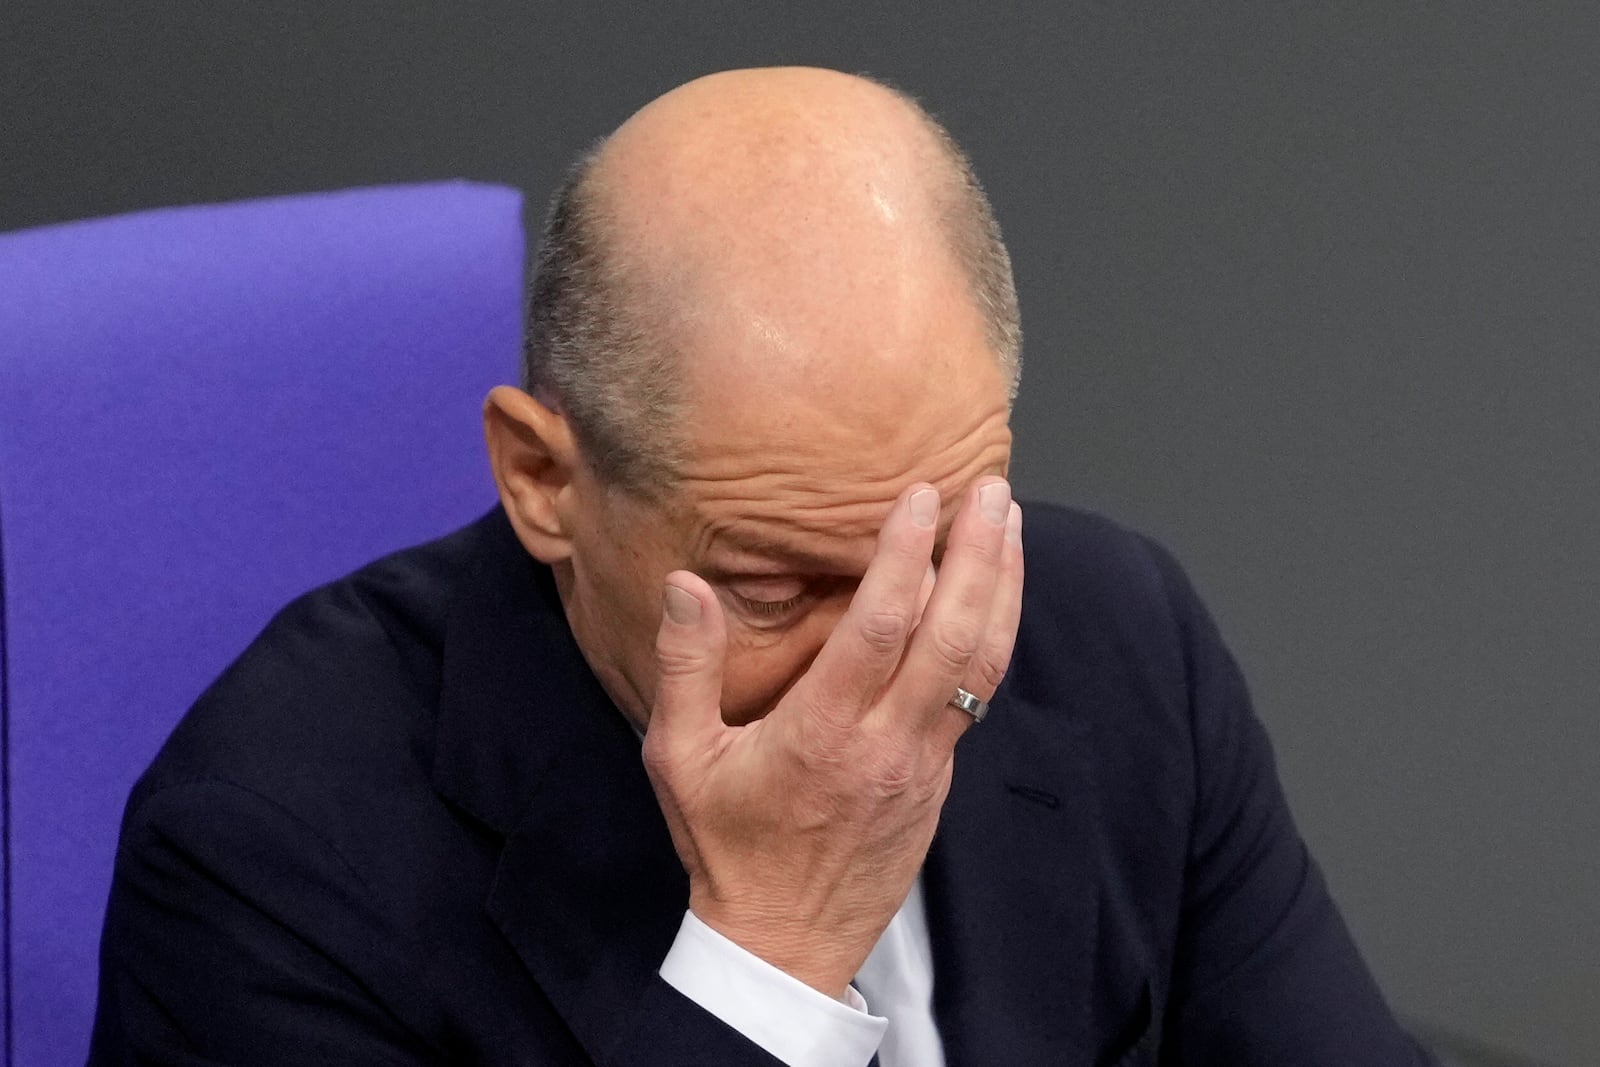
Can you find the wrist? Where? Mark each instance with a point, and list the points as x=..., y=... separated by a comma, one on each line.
x=810, y=954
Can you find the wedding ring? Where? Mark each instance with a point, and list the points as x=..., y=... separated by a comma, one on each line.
x=970, y=704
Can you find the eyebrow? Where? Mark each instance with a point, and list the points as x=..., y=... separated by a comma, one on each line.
x=781, y=552
x=805, y=561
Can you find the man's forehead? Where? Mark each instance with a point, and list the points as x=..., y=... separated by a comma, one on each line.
x=784, y=545
x=786, y=485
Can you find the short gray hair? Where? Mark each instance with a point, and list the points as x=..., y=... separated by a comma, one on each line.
x=592, y=352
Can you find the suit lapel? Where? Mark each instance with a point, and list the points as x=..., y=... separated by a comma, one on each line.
x=1012, y=893
x=588, y=891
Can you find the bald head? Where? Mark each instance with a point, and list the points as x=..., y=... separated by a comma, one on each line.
x=772, y=225
x=759, y=170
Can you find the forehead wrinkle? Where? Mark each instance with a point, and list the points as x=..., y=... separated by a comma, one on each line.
x=753, y=537
x=792, y=472
x=817, y=463
x=759, y=552
x=786, y=535
x=809, y=490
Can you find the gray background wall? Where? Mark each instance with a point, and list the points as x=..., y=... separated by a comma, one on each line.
x=1312, y=293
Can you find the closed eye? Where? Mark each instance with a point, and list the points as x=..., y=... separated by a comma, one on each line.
x=765, y=599
x=771, y=609
x=774, y=602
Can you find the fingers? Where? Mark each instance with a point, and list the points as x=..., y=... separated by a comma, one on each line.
x=929, y=577
x=955, y=626
x=861, y=654
x=1006, y=613
x=989, y=665
x=690, y=646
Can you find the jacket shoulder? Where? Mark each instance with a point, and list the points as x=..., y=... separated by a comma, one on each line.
x=342, y=679
x=1099, y=590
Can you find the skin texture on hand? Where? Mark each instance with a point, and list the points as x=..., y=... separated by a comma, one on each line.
x=803, y=831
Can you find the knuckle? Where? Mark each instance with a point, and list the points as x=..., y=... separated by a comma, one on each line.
x=990, y=670
x=677, y=662
x=827, y=737
x=892, y=770
x=985, y=550
x=658, y=758
x=953, y=645
x=818, y=748
x=884, y=630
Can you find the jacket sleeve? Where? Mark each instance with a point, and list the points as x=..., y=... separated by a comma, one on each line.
x=235, y=934
x=670, y=1030
x=1265, y=972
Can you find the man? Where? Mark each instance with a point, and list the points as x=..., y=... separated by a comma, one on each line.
x=754, y=511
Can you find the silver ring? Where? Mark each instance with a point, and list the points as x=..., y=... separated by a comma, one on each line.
x=970, y=704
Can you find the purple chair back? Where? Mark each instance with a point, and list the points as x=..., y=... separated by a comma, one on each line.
x=205, y=411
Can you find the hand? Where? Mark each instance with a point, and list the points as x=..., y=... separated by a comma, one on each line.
x=802, y=832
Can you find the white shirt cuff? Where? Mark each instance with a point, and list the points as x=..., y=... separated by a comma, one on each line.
x=801, y=1026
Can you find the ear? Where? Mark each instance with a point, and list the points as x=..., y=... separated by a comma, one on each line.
x=535, y=460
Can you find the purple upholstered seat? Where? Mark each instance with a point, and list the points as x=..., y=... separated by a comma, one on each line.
x=203, y=412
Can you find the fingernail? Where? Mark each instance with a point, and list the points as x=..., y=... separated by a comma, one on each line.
x=925, y=507
x=994, y=500
x=682, y=607
x=1014, y=524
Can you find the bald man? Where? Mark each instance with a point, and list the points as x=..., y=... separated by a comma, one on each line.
x=729, y=737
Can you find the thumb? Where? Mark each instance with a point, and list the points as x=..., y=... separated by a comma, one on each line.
x=689, y=649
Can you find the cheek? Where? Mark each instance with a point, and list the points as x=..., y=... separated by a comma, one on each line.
x=621, y=590
x=760, y=669
x=617, y=582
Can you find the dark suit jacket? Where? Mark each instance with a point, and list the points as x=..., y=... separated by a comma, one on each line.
x=407, y=825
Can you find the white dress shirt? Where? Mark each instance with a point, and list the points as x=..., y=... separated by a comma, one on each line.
x=888, y=1010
